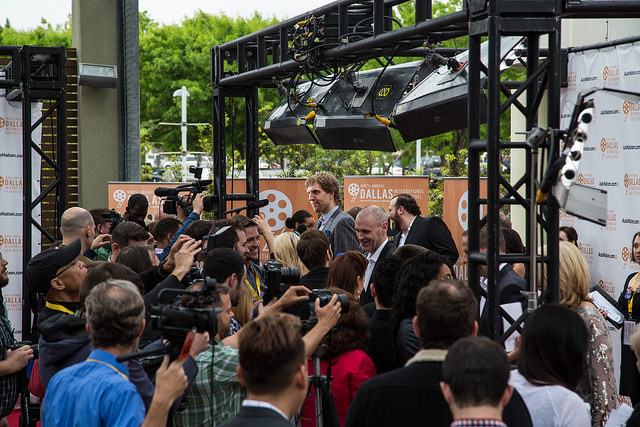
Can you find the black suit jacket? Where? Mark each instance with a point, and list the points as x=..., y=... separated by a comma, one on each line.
x=250, y=416
x=432, y=233
x=411, y=396
x=366, y=297
x=510, y=285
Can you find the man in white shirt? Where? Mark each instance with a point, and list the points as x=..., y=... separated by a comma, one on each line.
x=371, y=228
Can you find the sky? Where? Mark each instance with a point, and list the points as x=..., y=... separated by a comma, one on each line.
x=24, y=14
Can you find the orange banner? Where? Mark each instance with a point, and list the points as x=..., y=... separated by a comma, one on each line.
x=285, y=195
x=379, y=190
x=455, y=214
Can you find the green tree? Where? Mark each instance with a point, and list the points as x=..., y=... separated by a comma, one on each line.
x=43, y=35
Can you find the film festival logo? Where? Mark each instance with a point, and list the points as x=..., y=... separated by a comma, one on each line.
x=354, y=190
x=609, y=148
x=10, y=126
x=611, y=221
x=10, y=243
x=120, y=196
x=626, y=255
x=587, y=251
x=611, y=75
x=586, y=179
x=572, y=79
x=463, y=210
x=566, y=219
x=10, y=184
x=607, y=286
x=631, y=184
x=631, y=111
x=278, y=210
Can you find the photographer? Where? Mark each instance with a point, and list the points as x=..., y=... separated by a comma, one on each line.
x=77, y=223
x=198, y=207
x=105, y=221
x=11, y=361
x=216, y=393
x=97, y=392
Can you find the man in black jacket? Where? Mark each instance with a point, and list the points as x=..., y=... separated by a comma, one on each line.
x=446, y=311
x=429, y=232
x=273, y=368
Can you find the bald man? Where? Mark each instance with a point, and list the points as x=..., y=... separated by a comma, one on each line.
x=77, y=223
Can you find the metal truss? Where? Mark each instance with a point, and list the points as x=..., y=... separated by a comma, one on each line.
x=35, y=74
x=263, y=58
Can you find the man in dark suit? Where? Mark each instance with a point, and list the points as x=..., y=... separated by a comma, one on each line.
x=411, y=396
x=273, y=368
x=371, y=229
x=510, y=283
x=324, y=195
x=429, y=232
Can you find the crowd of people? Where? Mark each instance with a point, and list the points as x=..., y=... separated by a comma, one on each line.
x=375, y=316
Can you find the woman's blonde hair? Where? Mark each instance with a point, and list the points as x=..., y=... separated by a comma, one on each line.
x=284, y=250
x=243, y=312
x=573, y=277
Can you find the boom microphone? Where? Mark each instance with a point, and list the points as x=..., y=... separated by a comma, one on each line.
x=257, y=204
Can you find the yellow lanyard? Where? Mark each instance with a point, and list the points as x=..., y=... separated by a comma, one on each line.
x=256, y=295
x=633, y=293
x=58, y=307
x=109, y=365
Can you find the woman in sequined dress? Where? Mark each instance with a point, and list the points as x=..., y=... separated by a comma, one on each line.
x=598, y=385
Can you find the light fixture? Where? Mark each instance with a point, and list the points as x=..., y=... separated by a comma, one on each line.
x=96, y=75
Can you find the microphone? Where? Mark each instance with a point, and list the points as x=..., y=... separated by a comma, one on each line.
x=257, y=204
x=165, y=191
x=550, y=178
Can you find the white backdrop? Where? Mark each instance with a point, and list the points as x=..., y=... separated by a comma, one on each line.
x=610, y=162
x=11, y=201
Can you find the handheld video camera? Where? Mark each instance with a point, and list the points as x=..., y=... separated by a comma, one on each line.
x=114, y=218
x=172, y=199
x=197, y=313
x=276, y=275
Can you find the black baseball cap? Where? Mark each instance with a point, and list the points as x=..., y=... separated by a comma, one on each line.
x=42, y=268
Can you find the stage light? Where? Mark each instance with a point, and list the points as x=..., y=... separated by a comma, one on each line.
x=438, y=103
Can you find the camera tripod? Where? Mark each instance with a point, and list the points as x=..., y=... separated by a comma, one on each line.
x=326, y=413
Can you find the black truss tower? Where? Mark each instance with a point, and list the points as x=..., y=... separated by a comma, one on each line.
x=240, y=66
x=35, y=74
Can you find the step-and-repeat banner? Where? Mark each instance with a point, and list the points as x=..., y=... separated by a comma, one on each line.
x=11, y=214
x=610, y=162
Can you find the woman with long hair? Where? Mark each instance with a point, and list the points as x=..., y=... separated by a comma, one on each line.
x=301, y=217
x=347, y=272
x=598, y=384
x=350, y=365
x=629, y=305
x=553, y=352
x=284, y=251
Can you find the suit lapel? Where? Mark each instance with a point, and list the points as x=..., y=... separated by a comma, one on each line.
x=412, y=230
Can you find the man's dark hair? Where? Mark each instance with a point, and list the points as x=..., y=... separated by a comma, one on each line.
x=384, y=278
x=166, y=226
x=198, y=229
x=231, y=233
x=554, y=347
x=312, y=247
x=137, y=258
x=408, y=203
x=271, y=351
x=477, y=372
x=96, y=214
x=221, y=263
x=244, y=221
x=127, y=231
x=115, y=310
x=100, y=271
x=297, y=218
x=512, y=241
x=447, y=311
x=483, y=242
x=139, y=200
x=408, y=251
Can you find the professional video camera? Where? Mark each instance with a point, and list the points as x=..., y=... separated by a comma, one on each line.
x=114, y=218
x=172, y=199
x=197, y=314
x=275, y=275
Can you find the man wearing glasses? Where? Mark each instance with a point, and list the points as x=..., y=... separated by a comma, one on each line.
x=11, y=361
x=57, y=274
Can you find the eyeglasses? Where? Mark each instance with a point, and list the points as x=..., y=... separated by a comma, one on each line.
x=74, y=262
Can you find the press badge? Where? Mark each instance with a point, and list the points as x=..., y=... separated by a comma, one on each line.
x=629, y=329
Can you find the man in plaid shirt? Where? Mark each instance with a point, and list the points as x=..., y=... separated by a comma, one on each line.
x=11, y=361
x=216, y=393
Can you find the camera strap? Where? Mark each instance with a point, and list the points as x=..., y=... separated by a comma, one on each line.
x=59, y=307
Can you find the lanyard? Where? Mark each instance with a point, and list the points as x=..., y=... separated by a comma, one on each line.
x=256, y=296
x=109, y=365
x=633, y=292
x=58, y=307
